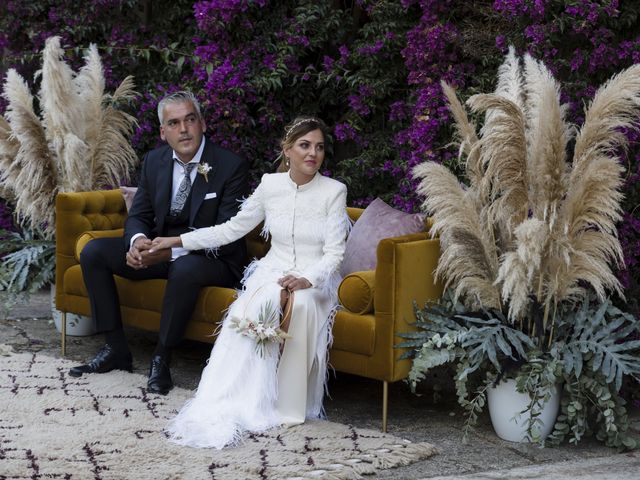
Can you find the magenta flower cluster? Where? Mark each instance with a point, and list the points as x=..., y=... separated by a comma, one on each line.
x=370, y=68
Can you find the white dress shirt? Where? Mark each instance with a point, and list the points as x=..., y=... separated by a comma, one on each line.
x=178, y=176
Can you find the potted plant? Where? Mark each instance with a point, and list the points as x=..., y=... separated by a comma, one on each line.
x=77, y=140
x=528, y=243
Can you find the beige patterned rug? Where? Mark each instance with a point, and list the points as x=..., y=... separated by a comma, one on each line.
x=108, y=427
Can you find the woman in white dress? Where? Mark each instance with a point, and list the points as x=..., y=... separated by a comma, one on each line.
x=245, y=388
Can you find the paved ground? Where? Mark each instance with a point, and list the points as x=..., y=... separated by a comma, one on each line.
x=26, y=325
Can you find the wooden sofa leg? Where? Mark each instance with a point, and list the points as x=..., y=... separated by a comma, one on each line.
x=63, y=330
x=385, y=404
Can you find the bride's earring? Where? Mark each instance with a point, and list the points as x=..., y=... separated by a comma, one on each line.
x=286, y=162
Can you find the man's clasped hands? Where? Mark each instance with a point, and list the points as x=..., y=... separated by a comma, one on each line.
x=145, y=252
x=139, y=255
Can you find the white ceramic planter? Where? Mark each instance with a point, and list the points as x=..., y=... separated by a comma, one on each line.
x=77, y=325
x=505, y=405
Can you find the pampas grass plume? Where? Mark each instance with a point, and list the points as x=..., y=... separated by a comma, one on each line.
x=79, y=142
x=532, y=224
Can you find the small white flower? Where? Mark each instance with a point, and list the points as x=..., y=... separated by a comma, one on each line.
x=204, y=169
x=264, y=330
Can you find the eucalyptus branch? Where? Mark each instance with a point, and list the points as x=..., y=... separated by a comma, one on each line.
x=474, y=407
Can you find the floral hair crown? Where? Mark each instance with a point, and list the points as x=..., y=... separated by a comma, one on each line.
x=297, y=124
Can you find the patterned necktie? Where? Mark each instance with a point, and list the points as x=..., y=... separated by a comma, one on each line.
x=183, y=191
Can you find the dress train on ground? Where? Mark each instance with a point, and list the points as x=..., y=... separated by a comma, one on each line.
x=241, y=390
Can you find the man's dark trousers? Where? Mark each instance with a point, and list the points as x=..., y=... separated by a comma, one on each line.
x=102, y=258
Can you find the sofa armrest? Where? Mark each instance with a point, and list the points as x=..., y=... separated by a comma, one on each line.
x=404, y=275
x=78, y=212
x=356, y=292
x=86, y=237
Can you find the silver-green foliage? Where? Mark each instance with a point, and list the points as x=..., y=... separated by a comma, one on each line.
x=596, y=346
x=602, y=346
x=600, y=339
x=449, y=333
x=28, y=261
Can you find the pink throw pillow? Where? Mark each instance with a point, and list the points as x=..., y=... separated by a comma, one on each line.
x=378, y=221
x=128, y=193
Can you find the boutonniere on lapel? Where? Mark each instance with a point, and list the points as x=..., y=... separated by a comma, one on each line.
x=204, y=169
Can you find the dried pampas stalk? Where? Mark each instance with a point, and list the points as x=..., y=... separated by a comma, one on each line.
x=76, y=167
x=90, y=86
x=112, y=157
x=503, y=156
x=35, y=185
x=510, y=82
x=590, y=265
x=518, y=269
x=469, y=260
x=58, y=99
x=124, y=93
x=509, y=87
x=548, y=134
x=466, y=132
x=8, y=143
x=465, y=265
x=592, y=206
x=588, y=218
x=114, y=164
x=613, y=108
x=8, y=150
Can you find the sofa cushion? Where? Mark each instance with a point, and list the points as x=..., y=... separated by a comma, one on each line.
x=378, y=221
x=86, y=237
x=356, y=291
x=128, y=193
x=354, y=333
x=148, y=294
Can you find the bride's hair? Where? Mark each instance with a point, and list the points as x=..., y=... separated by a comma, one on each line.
x=296, y=129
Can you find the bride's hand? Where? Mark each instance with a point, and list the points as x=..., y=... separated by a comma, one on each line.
x=160, y=243
x=291, y=283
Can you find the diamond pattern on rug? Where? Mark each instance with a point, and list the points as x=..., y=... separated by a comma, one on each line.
x=109, y=427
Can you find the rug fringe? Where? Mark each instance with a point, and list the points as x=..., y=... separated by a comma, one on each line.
x=401, y=455
x=396, y=455
x=335, y=474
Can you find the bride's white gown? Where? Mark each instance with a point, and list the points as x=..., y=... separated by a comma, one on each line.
x=240, y=390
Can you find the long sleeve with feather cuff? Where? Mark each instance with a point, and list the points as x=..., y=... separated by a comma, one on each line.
x=336, y=228
x=308, y=226
x=250, y=215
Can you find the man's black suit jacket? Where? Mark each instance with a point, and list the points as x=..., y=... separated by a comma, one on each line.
x=227, y=179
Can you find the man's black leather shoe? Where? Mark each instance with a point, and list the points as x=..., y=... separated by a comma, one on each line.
x=105, y=360
x=159, y=376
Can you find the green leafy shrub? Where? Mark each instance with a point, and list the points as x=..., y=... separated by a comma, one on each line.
x=593, y=351
x=28, y=261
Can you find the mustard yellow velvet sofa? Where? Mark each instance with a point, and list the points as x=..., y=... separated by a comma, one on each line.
x=377, y=304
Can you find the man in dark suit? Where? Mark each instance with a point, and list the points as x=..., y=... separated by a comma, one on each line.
x=189, y=183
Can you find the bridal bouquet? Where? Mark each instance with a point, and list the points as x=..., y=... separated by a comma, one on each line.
x=264, y=329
